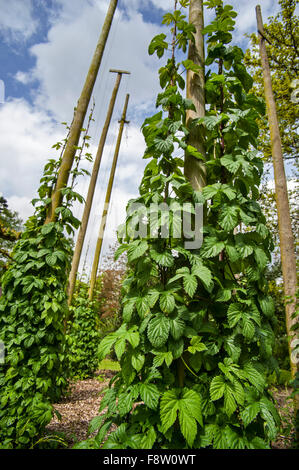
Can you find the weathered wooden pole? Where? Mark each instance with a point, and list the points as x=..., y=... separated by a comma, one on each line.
x=97, y=255
x=91, y=189
x=195, y=169
x=287, y=245
x=79, y=116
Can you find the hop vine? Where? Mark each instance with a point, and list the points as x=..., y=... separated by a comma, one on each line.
x=195, y=345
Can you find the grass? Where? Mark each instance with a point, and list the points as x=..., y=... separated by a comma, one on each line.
x=108, y=364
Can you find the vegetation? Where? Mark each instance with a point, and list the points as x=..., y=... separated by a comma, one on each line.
x=89, y=321
x=194, y=333
x=83, y=336
x=10, y=231
x=196, y=341
x=281, y=34
x=282, y=48
x=108, y=364
x=110, y=294
x=33, y=307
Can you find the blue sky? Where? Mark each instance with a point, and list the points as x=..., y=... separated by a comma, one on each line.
x=45, y=49
x=16, y=38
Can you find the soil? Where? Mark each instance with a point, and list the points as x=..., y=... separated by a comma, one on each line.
x=284, y=406
x=78, y=408
x=83, y=401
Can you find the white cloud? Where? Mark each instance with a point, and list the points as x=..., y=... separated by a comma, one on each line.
x=61, y=65
x=62, y=62
x=166, y=5
x=22, y=205
x=127, y=179
x=23, y=77
x=246, y=19
x=26, y=138
x=16, y=20
x=27, y=132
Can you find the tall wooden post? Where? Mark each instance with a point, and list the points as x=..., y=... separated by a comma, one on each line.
x=91, y=189
x=194, y=169
x=107, y=202
x=79, y=116
x=287, y=245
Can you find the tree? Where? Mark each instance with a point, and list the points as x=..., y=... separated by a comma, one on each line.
x=10, y=231
x=109, y=297
x=274, y=271
x=282, y=33
x=207, y=308
x=287, y=244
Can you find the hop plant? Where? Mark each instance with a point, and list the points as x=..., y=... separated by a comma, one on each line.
x=195, y=345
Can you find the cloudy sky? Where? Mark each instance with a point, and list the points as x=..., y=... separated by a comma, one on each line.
x=46, y=47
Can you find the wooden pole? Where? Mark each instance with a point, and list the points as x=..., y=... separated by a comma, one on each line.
x=287, y=245
x=107, y=202
x=79, y=116
x=91, y=189
x=194, y=169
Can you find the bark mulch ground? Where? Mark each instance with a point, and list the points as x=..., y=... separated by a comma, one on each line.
x=83, y=402
x=284, y=405
x=78, y=408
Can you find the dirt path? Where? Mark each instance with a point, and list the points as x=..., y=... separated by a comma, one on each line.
x=284, y=406
x=78, y=408
x=83, y=402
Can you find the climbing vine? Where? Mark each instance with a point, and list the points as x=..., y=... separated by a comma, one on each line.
x=83, y=335
x=32, y=311
x=195, y=346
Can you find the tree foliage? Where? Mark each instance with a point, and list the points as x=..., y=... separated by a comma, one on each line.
x=282, y=49
x=282, y=42
x=109, y=296
x=10, y=231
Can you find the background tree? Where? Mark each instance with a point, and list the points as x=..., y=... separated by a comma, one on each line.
x=10, y=231
x=282, y=33
x=282, y=40
x=89, y=321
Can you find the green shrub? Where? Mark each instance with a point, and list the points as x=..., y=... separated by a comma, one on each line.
x=83, y=336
